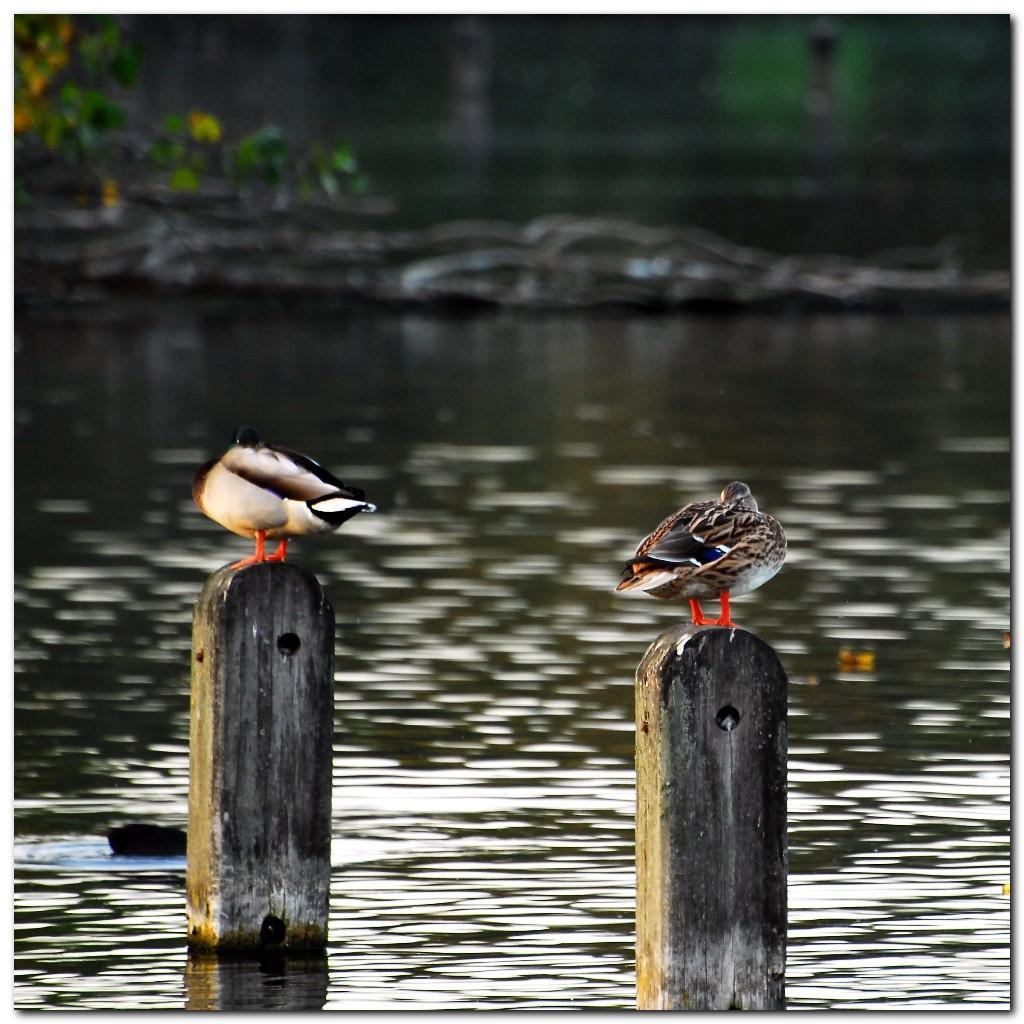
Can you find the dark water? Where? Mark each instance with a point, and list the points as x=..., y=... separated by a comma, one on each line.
x=483, y=782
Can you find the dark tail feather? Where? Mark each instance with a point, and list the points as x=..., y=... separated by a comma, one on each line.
x=628, y=574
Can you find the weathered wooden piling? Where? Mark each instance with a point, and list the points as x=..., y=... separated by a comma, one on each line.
x=711, y=851
x=260, y=745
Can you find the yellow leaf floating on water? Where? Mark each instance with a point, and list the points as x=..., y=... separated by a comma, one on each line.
x=111, y=193
x=856, y=661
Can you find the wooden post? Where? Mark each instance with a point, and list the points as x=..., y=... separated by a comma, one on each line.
x=260, y=756
x=711, y=852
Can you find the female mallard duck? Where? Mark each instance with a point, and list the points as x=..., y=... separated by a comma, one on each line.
x=709, y=549
x=256, y=490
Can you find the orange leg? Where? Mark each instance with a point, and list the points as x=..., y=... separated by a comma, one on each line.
x=259, y=555
x=725, y=619
x=700, y=619
x=278, y=555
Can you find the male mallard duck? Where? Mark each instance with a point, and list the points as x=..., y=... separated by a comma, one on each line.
x=256, y=490
x=709, y=549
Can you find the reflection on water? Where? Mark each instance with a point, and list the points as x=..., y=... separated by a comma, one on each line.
x=271, y=983
x=483, y=779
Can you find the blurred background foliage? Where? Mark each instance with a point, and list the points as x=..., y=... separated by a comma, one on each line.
x=62, y=65
x=72, y=73
x=794, y=133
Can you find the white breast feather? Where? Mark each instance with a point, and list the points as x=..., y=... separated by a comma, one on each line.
x=240, y=506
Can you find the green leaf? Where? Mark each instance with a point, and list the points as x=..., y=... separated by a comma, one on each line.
x=265, y=153
x=111, y=31
x=100, y=113
x=174, y=124
x=245, y=156
x=167, y=152
x=126, y=63
x=91, y=48
x=52, y=132
x=184, y=179
x=343, y=159
x=160, y=153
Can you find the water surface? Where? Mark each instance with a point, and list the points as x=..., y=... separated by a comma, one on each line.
x=483, y=777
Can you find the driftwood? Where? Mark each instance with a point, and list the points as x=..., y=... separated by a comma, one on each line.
x=270, y=243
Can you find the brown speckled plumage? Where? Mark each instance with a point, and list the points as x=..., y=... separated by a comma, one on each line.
x=709, y=549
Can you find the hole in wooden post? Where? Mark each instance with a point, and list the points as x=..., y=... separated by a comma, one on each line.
x=272, y=931
x=288, y=643
x=727, y=718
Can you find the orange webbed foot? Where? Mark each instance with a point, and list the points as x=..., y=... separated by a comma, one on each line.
x=725, y=619
x=700, y=619
x=278, y=555
x=698, y=616
x=259, y=555
x=251, y=560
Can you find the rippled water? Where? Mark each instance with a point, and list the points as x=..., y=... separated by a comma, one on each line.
x=483, y=775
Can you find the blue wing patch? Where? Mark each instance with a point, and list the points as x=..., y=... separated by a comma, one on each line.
x=710, y=555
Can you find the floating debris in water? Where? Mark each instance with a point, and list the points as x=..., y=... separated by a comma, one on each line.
x=856, y=661
x=142, y=840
